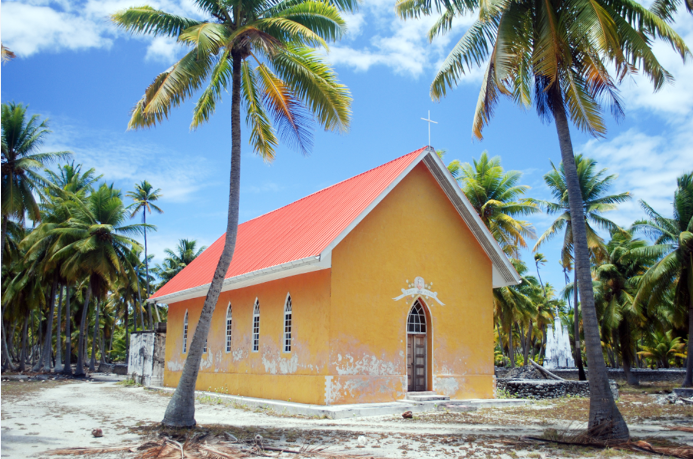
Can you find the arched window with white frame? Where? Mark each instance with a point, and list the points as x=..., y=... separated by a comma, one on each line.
x=287, y=324
x=256, y=326
x=185, y=332
x=229, y=324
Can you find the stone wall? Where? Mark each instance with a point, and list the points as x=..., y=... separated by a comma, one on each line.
x=548, y=388
x=674, y=375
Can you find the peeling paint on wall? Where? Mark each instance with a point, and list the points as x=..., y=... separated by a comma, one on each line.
x=174, y=365
x=270, y=365
x=287, y=366
x=331, y=390
x=446, y=386
x=208, y=361
x=366, y=365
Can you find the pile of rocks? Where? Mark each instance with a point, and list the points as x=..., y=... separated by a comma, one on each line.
x=525, y=372
x=548, y=388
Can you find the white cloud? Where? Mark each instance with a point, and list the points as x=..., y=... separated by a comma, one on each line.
x=648, y=166
x=400, y=45
x=28, y=29
x=673, y=100
x=33, y=26
x=124, y=159
x=163, y=49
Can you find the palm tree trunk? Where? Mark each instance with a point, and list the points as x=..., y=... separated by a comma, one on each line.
x=127, y=332
x=95, y=338
x=528, y=339
x=67, y=367
x=576, y=330
x=81, y=342
x=140, y=307
x=688, y=380
x=511, y=349
x=7, y=356
x=44, y=359
x=22, y=354
x=181, y=409
x=146, y=270
x=4, y=231
x=625, y=342
x=605, y=421
x=58, y=347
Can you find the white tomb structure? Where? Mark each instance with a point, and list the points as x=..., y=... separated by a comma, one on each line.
x=558, y=354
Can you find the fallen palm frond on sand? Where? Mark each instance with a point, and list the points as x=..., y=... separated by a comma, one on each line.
x=205, y=446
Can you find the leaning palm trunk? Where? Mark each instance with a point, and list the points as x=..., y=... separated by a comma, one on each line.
x=605, y=420
x=45, y=358
x=67, y=367
x=95, y=338
x=146, y=270
x=81, y=342
x=181, y=409
x=58, y=347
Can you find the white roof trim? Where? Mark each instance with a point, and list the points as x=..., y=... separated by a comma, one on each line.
x=504, y=273
x=292, y=268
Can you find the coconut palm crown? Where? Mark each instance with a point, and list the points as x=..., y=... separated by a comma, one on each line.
x=282, y=78
x=497, y=197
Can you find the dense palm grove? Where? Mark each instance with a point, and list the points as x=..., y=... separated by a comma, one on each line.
x=74, y=274
x=640, y=274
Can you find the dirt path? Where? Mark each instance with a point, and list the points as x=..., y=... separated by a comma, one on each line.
x=41, y=416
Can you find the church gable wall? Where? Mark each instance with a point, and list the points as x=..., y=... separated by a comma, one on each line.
x=270, y=372
x=414, y=232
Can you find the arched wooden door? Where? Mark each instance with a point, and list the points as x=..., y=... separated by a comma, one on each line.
x=417, y=352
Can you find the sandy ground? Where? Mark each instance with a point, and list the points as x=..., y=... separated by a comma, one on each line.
x=42, y=416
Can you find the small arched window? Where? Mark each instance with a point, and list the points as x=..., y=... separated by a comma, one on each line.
x=229, y=323
x=256, y=326
x=287, y=324
x=416, y=322
x=185, y=333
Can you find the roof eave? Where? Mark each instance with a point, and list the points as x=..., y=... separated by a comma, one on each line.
x=291, y=268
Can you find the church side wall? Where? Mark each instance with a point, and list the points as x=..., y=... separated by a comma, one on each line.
x=270, y=372
x=414, y=232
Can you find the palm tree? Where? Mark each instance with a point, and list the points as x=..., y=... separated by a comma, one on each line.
x=674, y=248
x=289, y=81
x=497, y=198
x=593, y=185
x=662, y=347
x=556, y=56
x=615, y=286
x=97, y=249
x=185, y=253
x=20, y=162
x=143, y=200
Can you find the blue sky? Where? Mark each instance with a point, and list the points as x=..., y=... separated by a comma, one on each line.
x=76, y=69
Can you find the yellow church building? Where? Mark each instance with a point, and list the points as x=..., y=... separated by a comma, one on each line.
x=365, y=291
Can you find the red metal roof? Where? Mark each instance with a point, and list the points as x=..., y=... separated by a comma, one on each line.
x=299, y=230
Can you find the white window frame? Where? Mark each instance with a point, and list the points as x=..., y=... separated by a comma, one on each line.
x=422, y=324
x=185, y=332
x=288, y=323
x=256, y=326
x=229, y=327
